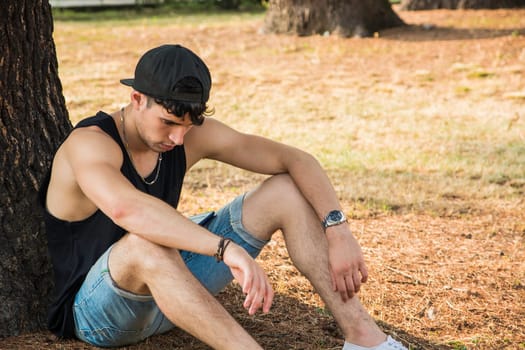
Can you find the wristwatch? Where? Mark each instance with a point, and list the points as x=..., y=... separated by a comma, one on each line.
x=335, y=217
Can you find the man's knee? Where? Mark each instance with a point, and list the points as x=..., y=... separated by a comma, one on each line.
x=285, y=192
x=146, y=254
x=272, y=205
x=134, y=258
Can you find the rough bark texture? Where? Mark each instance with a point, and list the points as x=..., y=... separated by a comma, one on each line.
x=459, y=4
x=33, y=121
x=342, y=17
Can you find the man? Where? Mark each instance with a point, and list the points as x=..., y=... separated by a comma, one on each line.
x=128, y=265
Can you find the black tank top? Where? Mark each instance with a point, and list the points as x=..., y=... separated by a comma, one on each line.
x=75, y=246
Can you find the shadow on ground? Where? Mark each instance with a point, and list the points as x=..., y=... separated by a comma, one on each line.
x=431, y=32
x=291, y=325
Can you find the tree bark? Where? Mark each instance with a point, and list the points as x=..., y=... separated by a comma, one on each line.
x=346, y=18
x=33, y=121
x=459, y=4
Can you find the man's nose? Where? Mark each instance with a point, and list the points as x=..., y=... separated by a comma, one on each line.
x=177, y=135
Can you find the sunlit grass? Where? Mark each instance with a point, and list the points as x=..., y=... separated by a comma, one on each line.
x=397, y=124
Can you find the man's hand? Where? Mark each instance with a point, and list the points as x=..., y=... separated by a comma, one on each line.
x=346, y=262
x=251, y=277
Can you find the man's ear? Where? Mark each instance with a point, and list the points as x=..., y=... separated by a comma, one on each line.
x=138, y=100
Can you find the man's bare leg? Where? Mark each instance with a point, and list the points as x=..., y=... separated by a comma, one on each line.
x=278, y=204
x=142, y=267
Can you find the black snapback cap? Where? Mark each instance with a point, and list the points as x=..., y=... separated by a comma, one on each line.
x=160, y=72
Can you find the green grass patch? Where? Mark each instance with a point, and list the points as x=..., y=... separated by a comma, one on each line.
x=458, y=345
x=462, y=90
x=480, y=74
x=170, y=11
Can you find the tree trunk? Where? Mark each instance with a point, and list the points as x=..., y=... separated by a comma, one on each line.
x=342, y=17
x=33, y=121
x=459, y=4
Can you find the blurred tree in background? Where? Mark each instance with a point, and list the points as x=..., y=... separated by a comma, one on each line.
x=359, y=18
x=460, y=4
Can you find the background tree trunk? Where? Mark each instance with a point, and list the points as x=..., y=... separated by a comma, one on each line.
x=343, y=17
x=33, y=121
x=459, y=4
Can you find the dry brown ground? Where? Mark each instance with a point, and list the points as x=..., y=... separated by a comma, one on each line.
x=451, y=280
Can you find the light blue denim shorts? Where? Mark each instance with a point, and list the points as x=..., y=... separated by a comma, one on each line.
x=108, y=316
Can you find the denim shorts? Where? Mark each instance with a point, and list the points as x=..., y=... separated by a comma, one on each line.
x=108, y=316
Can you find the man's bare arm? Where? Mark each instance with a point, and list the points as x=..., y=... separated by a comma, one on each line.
x=94, y=160
x=217, y=141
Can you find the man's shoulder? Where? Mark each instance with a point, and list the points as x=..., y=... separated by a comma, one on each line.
x=210, y=126
x=100, y=118
x=88, y=140
x=99, y=125
x=86, y=133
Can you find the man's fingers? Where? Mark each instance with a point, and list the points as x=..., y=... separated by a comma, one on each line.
x=268, y=300
x=268, y=295
x=263, y=300
x=254, y=306
x=364, y=272
x=349, y=283
x=342, y=288
x=256, y=298
x=334, y=280
x=259, y=295
x=251, y=295
x=350, y=288
x=357, y=281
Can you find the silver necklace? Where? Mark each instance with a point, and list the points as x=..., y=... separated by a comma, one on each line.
x=126, y=145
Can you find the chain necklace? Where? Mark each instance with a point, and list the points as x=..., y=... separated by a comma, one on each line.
x=126, y=145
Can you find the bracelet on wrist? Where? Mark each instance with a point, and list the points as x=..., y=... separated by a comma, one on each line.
x=221, y=248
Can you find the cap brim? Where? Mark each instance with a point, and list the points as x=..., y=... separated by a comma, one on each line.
x=128, y=82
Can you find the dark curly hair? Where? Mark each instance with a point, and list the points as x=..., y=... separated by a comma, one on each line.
x=197, y=111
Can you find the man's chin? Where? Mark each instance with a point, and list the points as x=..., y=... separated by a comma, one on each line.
x=165, y=148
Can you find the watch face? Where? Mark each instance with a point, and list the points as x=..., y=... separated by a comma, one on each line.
x=335, y=216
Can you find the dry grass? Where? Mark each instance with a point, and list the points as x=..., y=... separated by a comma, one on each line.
x=422, y=131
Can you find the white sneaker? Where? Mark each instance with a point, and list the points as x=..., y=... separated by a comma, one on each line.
x=388, y=344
